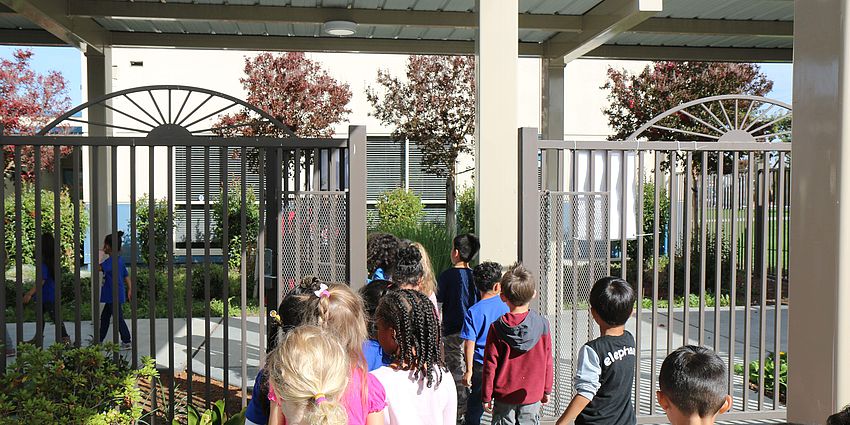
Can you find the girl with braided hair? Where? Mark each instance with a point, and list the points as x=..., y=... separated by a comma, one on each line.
x=413, y=261
x=308, y=375
x=408, y=330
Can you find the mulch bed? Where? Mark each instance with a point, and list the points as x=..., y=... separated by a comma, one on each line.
x=233, y=395
x=768, y=394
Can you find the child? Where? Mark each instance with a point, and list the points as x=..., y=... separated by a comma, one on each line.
x=416, y=393
x=692, y=386
x=339, y=311
x=371, y=295
x=308, y=374
x=840, y=418
x=518, y=371
x=381, y=253
x=410, y=271
x=477, y=322
x=428, y=285
x=456, y=291
x=606, y=366
x=106, y=296
x=48, y=288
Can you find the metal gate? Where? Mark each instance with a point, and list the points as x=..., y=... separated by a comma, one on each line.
x=296, y=206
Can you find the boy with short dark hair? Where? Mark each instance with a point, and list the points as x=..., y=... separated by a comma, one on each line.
x=476, y=325
x=605, y=371
x=840, y=418
x=692, y=386
x=456, y=292
x=518, y=370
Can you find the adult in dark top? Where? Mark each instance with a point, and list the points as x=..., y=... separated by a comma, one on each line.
x=456, y=292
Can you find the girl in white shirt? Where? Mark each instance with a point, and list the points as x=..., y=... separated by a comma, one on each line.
x=407, y=329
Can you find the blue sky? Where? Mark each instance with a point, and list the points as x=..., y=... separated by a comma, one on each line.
x=68, y=61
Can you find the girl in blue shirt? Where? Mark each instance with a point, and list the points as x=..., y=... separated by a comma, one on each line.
x=48, y=288
x=106, y=295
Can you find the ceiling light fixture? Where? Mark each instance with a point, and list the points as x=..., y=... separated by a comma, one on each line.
x=339, y=28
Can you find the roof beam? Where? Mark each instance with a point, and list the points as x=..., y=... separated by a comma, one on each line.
x=307, y=44
x=709, y=54
x=716, y=27
x=304, y=15
x=29, y=37
x=601, y=24
x=51, y=15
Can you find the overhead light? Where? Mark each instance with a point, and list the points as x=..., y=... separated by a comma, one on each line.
x=339, y=28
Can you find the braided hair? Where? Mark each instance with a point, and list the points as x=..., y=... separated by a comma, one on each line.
x=292, y=309
x=408, y=270
x=411, y=314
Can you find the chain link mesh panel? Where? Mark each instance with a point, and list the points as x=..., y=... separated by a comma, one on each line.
x=314, y=238
x=574, y=253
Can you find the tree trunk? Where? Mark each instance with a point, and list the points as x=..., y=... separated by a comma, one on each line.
x=451, y=209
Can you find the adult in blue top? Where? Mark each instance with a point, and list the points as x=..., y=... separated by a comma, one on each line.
x=48, y=288
x=106, y=295
x=456, y=291
x=476, y=324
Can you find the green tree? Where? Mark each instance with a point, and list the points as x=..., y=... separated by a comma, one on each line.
x=399, y=207
x=161, y=228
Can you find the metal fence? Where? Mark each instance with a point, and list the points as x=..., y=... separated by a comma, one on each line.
x=211, y=323
x=734, y=302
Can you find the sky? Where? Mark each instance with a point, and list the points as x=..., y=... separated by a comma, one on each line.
x=68, y=61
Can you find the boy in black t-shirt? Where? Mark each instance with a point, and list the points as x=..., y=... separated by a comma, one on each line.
x=456, y=292
x=692, y=386
x=606, y=366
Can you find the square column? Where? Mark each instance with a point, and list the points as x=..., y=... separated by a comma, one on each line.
x=819, y=312
x=496, y=155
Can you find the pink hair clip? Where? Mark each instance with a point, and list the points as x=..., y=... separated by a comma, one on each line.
x=319, y=398
x=323, y=291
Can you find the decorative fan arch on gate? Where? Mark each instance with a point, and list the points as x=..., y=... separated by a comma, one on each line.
x=725, y=118
x=169, y=110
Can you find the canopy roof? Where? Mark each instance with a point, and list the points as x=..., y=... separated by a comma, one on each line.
x=733, y=30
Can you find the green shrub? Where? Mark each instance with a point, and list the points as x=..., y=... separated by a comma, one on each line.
x=466, y=211
x=232, y=212
x=217, y=281
x=433, y=236
x=769, y=373
x=399, y=207
x=66, y=385
x=66, y=230
x=648, y=225
x=160, y=230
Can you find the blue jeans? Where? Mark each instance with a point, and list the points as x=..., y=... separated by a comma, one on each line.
x=519, y=414
x=106, y=319
x=474, y=408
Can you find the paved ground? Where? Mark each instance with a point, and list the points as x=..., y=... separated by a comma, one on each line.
x=195, y=349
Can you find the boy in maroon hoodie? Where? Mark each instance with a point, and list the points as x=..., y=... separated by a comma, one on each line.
x=518, y=375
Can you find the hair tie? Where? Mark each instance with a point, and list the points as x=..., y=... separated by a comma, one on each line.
x=323, y=291
x=319, y=398
x=275, y=317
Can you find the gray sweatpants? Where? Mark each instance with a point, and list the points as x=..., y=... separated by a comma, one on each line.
x=516, y=414
x=453, y=351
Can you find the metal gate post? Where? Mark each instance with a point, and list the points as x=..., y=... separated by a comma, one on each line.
x=356, y=206
x=273, y=210
x=529, y=201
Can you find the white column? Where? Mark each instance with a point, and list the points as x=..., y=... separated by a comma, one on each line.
x=819, y=316
x=552, y=116
x=496, y=179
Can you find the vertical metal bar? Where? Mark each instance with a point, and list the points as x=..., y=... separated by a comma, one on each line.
x=278, y=257
x=58, y=323
x=95, y=241
x=656, y=236
x=718, y=250
x=243, y=273
x=19, y=271
x=134, y=254
x=356, y=218
x=261, y=247
x=703, y=225
x=170, y=294
x=152, y=250
x=207, y=356
x=763, y=306
x=639, y=274
x=225, y=249
x=39, y=276
x=748, y=270
x=188, y=278
x=298, y=219
x=75, y=198
x=733, y=270
x=6, y=342
x=624, y=182
x=777, y=308
x=116, y=253
x=672, y=237
x=688, y=176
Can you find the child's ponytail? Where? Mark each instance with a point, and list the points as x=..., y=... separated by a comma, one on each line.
x=108, y=241
x=325, y=412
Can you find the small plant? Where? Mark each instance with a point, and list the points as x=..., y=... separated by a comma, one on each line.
x=769, y=373
x=73, y=385
x=214, y=416
x=466, y=211
x=399, y=207
x=232, y=212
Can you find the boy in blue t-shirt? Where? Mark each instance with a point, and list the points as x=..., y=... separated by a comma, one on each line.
x=477, y=322
x=456, y=292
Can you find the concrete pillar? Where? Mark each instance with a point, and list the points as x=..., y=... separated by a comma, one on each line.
x=99, y=176
x=552, y=118
x=819, y=317
x=497, y=158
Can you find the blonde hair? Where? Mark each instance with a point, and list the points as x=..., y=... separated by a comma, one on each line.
x=341, y=313
x=309, y=370
x=428, y=285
